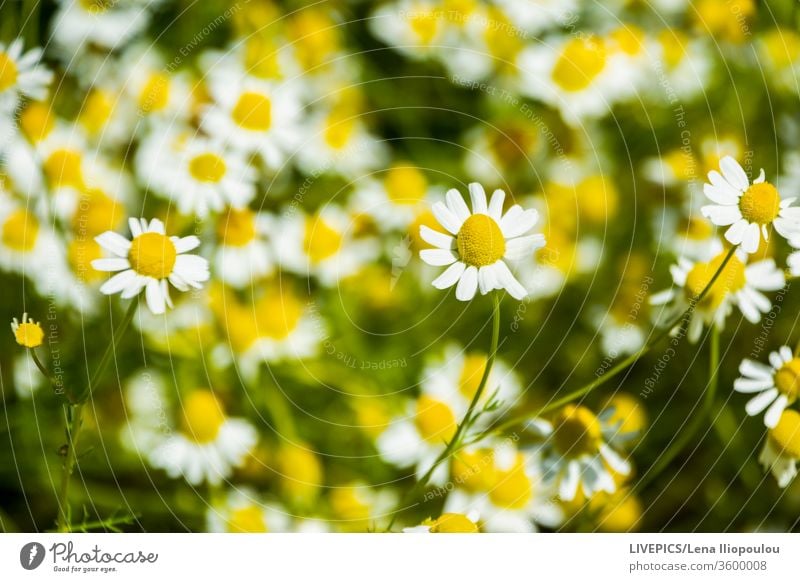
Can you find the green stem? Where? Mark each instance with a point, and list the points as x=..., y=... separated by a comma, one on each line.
x=73, y=416
x=682, y=320
x=454, y=443
x=112, y=348
x=690, y=433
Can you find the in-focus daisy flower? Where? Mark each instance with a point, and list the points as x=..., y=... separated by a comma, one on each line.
x=514, y=497
x=578, y=455
x=775, y=386
x=243, y=252
x=781, y=451
x=28, y=333
x=359, y=507
x=325, y=245
x=482, y=240
x=242, y=511
x=205, y=177
x=21, y=75
x=447, y=523
x=208, y=445
x=739, y=284
x=747, y=209
x=150, y=261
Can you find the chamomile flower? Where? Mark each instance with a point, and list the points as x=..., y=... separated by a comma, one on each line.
x=748, y=209
x=578, y=455
x=781, y=451
x=324, y=245
x=740, y=284
x=683, y=64
x=150, y=261
x=514, y=497
x=208, y=444
x=780, y=49
x=242, y=511
x=413, y=27
x=80, y=24
x=21, y=75
x=29, y=333
x=253, y=116
x=154, y=90
x=447, y=523
x=482, y=240
x=243, y=252
x=359, y=507
x=775, y=386
x=206, y=177
x=395, y=199
x=26, y=242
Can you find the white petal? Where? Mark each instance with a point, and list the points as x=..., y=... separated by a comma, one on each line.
x=496, y=204
x=446, y=218
x=155, y=297
x=734, y=173
x=751, y=238
x=614, y=461
x=110, y=265
x=486, y=281
x=478, y=196
x=118, y=282
x=523, y=247
x=192, y=268
x=720, y=191
x=450, y=276
x=721, y=215
x=755, y=370
x=508, y=282
x=775, y=411
x=735, y=233
x=757, y=404
x=437, y=239
x=156, y=226
x=135, y=226
x=569, y=482
x=752, y=385
x=438, y=257
x=116, y=243
x=456, y=204
x=468, y=284
x=185, y=244
x=786, y=353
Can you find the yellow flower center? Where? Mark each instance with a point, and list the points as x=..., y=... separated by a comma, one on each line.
x=672, y=43
x=474, y=470
x=155, y=93
x=261, y=58
x=629, y=39
x=581, y=61
x=207, y=167
x=249, y=519
x=278, y=312
x=577, y=432
x=424, y=23
x=504, y=41
x=471, y=374
x=97, y=110
x=434, y=420
x=761, y=203
x=480, y=241
x=405, y=185
x=63, y=168
x=29, y=334
x=452, y=523
x=8, y=72
x=629, y=414
x=20, y=231
x=97, y=212
x=696, y=228
x=301, y=472
x=786, y=434
x=338, y=130
x=81, y=253
x=782, y=45
x=315, y=36
x=347, y=504
x=787, y=379
x=321, y=240
x=203, y=416
x=238, y=228
x=730, y=280
x=512, y=488
x=153, y=255
x=97, y=5
x=253, y=111
x=597, y=198
x=36, y=122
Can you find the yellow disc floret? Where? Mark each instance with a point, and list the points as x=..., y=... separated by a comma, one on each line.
x=577, y=432
x=36, y=121
x=321, y=240
x=405, y=185
x=207, y=167
x=787, y=379
x=153, y=255
x=512, y=488
x=452, y=523
x=20, y=231
x=480, y=241
x=786, y=434
x=8, y=72
x=28, y=333
x=247, y=519
x=203, y=416
x=761, y=203
x=253, y=111
x=471, y=374
x=238, y=228
x=434, y=420
x=731, y=279
x=581, y=61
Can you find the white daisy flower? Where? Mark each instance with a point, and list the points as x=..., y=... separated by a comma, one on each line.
x=578, y=454
x=324, y=245
x=79, y=24
x=481, y=243
x=360, y=507
x=152, y=89
x=28, y=245
x=150, y=261
x=21, y=75
x=739, y=284
x=204, y=177
x=775, y=386
x=514, y=499
x=207, y=446
x=242, y=511
x=253, y=116
x=449, y=523
x=413, y=27
x=781, y=451
x=747, y=209
x=244, y=253
x=683, y=65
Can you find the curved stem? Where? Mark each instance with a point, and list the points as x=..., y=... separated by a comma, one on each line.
x=682, y=320
x=454, y=443
x=688, y=435
x=73, y=414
